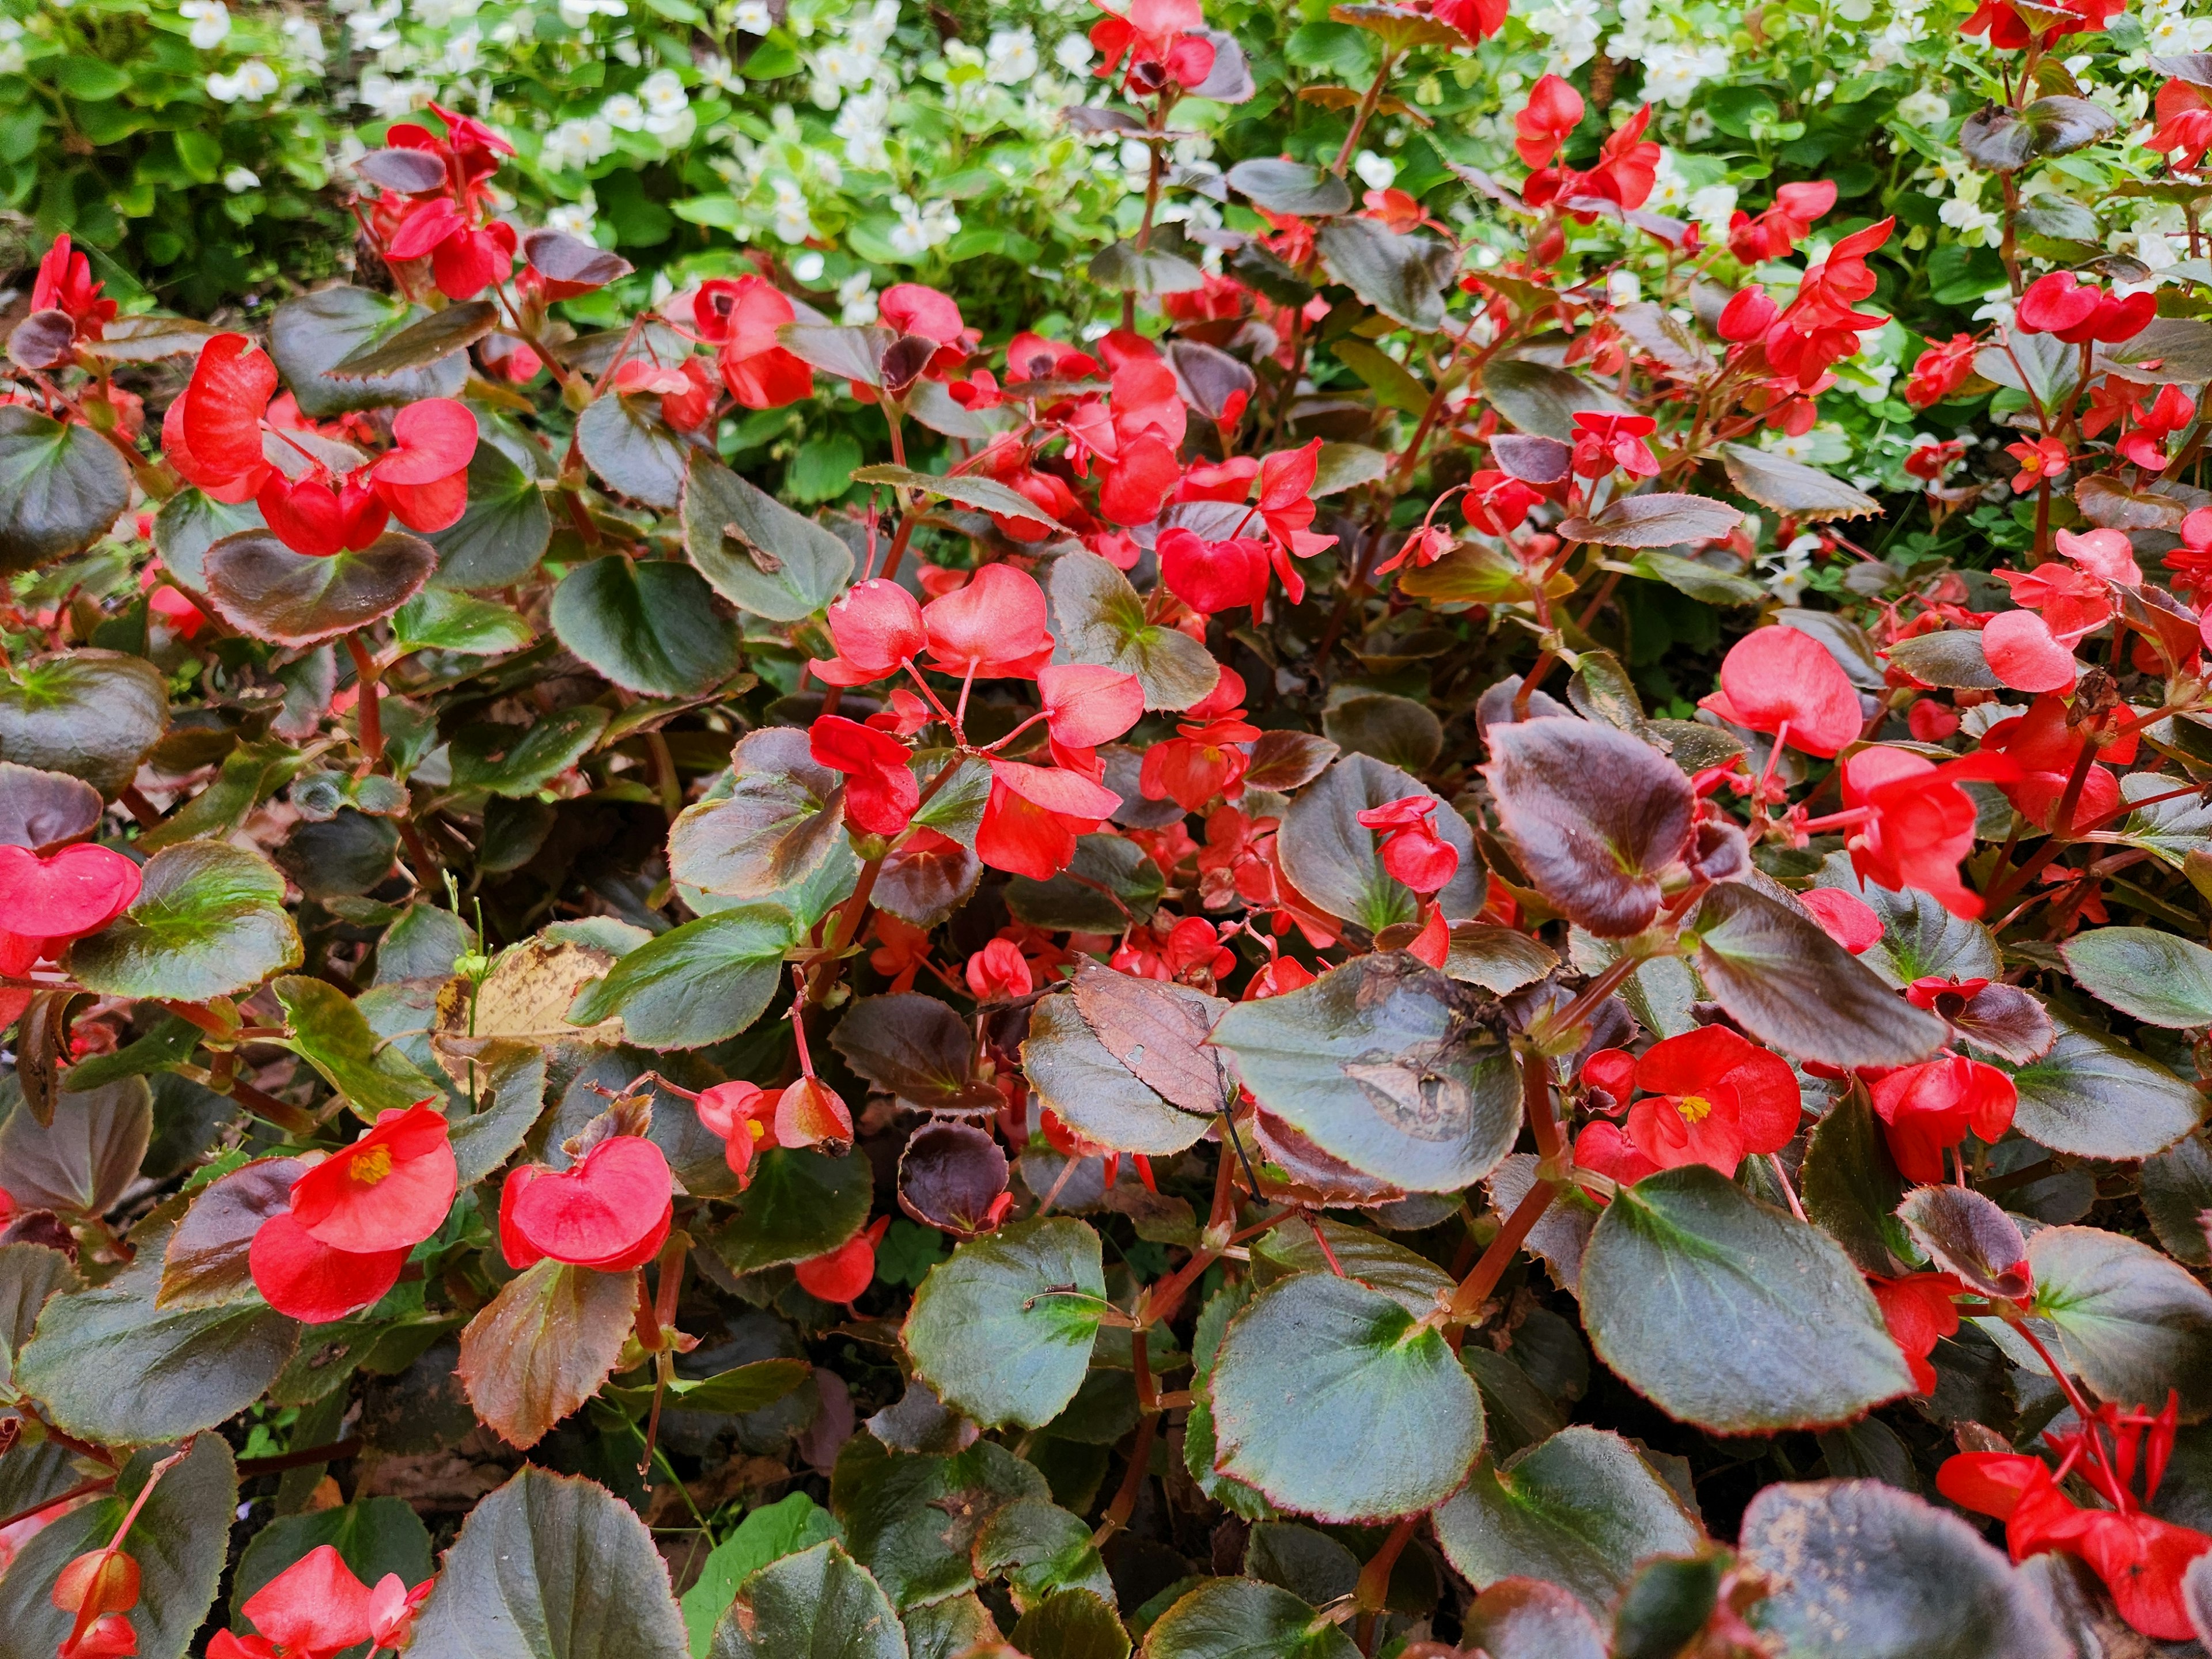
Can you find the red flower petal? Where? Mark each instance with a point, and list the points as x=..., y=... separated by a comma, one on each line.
x=390, y=1190
x=1086, y=704
x=2024, y=654
x=314, y=1605
x=70, y=893
x=298, y=1275
x=597, y=1212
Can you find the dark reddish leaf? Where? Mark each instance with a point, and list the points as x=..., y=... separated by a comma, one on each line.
x=950, y=1177
x=205, y=1265
x=1158, y=1030
x=1966, y=1234
x=561, y=257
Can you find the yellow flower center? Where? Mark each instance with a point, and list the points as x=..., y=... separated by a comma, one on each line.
x=372, y=1166
x=1694, y=1108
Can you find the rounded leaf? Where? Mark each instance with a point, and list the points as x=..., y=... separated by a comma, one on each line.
x=1003, y=1329
x=263, y=589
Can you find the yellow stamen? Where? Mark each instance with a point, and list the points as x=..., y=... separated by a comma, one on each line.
x=1693, y=1108
x=372, y=1166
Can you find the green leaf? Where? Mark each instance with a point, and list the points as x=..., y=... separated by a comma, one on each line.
x=1397, y=731
x=509, y=1079
x=1382, y=1063
x=1040, y=1549
x=1392, y=382
x=188, y=523
x=696, y=984
x=633, y=451
x=984, y=495
x=61, y=487
x=329, y=1033
x=178, y=1540
x=1003, y=1328
x=913, y=1047
x=1858, y=1570
x=1791, y=985
x=1543, y=401
x=1143, y=271
x=499, y=540
x=1331, y=857
x=1851, y=1189
x=1077, y=898
x=1667, y=1605
x=2161, y=979
x=790, y=1524
x=1071, y=1623
x=1331, y=1400
x=1075, y=1074
x=801, y=1204
x=1731, y=1315
x=757, y=553
x=1294, y=187
x=518, y=761
x=263, y=589
x=1791, y=487
x=781, y=822
x=90, y=715
x=739, y=1392
x=2176, y=1191
x=1243, y=1619
x=310, y=335
x=2129, y=1322
x=1401, y=276
x=1999, y=139
x=552, y=1567
x=374, y=1536
x=210, y=921
x=1407, y=1278
x=651, y=628
x=30, y=1275
x=2091, y=1096
x=819, y=1602
x=419, y=345
x=1701, y=582
x=441, y=619
x=1578, y=1510
x=1098, y=616
x=542, y=1347
x=113, y=1367
x=913, y=1519
x=82, y=1161
x=1527, y=1619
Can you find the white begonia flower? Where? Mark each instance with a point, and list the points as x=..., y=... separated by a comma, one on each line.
x=753, y=17
x=1669, y=189
x=793, y=223
x=714, y=71
x=1010, y=57
x=864, y=124
x=211, y=21
x=437, y=14
x=12, y=57
x=578, y=14
x=624, y=113
x=807, y=267
x=1789, y=570
x=1572, y=26
x=1376, y=172
x=868, y=29
x=576, y=218
x=1696, y=126
x=1073, y=53
x=252, y=82
x=1923, y=108
x=574, y=145
x=1976, y=225
x=461, y=48
x=239, y=180
x=303, y=39
x=1673, y=70
x=921, y=228
x=1712, y=208
x=856, y=300
x=1623, y=287
x=667, y=105
x=389, y=98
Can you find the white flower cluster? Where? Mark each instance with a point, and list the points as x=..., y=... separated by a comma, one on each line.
x=1674, y=67
x=210, y=21
x=12, y=56
x=1572, y=26
x=921, y=226
x=251, y=82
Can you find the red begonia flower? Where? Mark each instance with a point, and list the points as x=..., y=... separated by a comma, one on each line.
x=998, y=972
x=1412, y=852
x=314, y=1605
x=878, y=629
x=1136, y=485
x=212, y=433
x=1917, y=823
x=390, y=1190
x=810, y=1113
x=1543, y=125
x=611, y=1210
x=1850, y=921
x=916, y=308
x=2024, y=654
x=840, y=1275
x=1747, y=315
x=1033, y=815
x=2105, y=554
x=1603, y=442
x=995, y=627
x=742, y=1116
x=65, y=283
x=321, y=516
x=1778, y=680
x=2072, y=602
x=741, y=317
x=1919, y=1312
x=47, y=901
x=307, y=1280
x=1721, y=1097
x=2043, y=750
x=423, y=478
x=2077, y=312
x=1928, y=1108
x=880, y=791
x=1086, y=704
x=1603, y=1147
x=1940, y=370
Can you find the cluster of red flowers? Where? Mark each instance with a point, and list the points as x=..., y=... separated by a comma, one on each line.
x=317, y=1608
x=319, y=495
